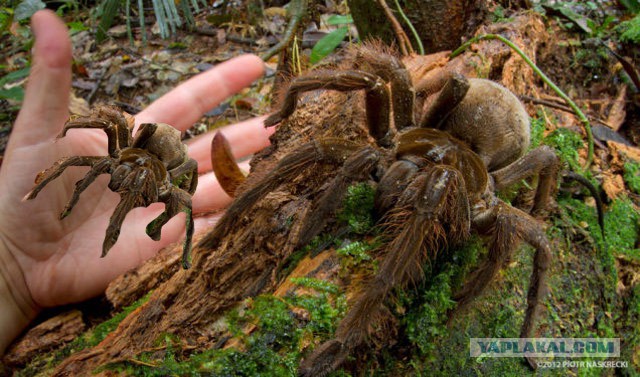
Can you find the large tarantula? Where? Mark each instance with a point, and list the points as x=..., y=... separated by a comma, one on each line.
x=436, y=166
x=152, y=167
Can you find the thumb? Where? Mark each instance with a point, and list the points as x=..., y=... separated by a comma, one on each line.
x=46, y=101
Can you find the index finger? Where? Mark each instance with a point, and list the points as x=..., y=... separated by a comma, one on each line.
x=185, y=104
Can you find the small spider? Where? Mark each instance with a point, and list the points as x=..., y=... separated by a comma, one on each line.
x=152, y=167
x=437, y=164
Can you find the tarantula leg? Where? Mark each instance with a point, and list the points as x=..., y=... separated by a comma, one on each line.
x=176, y=201
x=356, y=168
x=46, y=176
x=143, y=135
x=377, y=97
x=224, y=165
x=128, y=201
x=330, y=150
x=139, y=190
x=433, y=198
x=109, y=119
x=571, y=176
x=101, y=167
x=374, y=59
x=453, y=91
x=392, y=184
x=509, y=226
x=185, y=176
x=542, y=161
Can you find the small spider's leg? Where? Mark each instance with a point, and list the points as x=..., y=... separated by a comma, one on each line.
x=145, y=132
x=109, y=119
x=357, y=167
x=376, y=98
x=88, y=122
x=116, y=117
x=177, y=200
x=46, y=176
x=416, y=232
x=128, y=201
x=454, y=90
x=329, y=150
x=101, y=167
x=138, y=190
x=542, y=161
x=509, y=226
x=185, y=176
x=224, y=165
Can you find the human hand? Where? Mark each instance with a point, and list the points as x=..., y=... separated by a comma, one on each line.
x=47, y=262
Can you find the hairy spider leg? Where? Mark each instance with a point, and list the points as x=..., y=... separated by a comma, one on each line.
x=415, y=227
x=376, y=97
x=224, y=165
x=137, y=189
x=541, y=161
x=187, y=175
x=455, y=88
x=145, y=132
x=329, y=150
x=111, y=121
x=394, y=181
x=106, y=165
x=509, y=226
x=44, y=177
x=374, y=58
x=176, y=201
x=376, y=67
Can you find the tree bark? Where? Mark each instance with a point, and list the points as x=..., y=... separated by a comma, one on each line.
x=441, y=24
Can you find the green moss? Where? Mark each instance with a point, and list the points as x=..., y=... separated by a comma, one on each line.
x=630, y=30
x=426, y=321
x=537, y=131
x=357, y=210
x=566, y=143
x=316, y=284
x=622, y=225
x=358, y=250
x=96, y=335
x=630, y=348
x=632, y=176
x=274, y=346
x=105, y=328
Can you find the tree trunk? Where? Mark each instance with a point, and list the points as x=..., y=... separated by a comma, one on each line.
x=441, y=24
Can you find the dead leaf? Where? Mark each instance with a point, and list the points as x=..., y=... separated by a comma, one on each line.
x=627, y=150
x=275, y=11
x=612, y=184
x=78, y=106
x=246, y=103
x=617, y=114
x=621, y=153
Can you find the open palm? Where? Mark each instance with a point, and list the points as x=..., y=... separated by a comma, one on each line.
x=48, y=262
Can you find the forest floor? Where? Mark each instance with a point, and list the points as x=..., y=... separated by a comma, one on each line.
x=594, y=286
